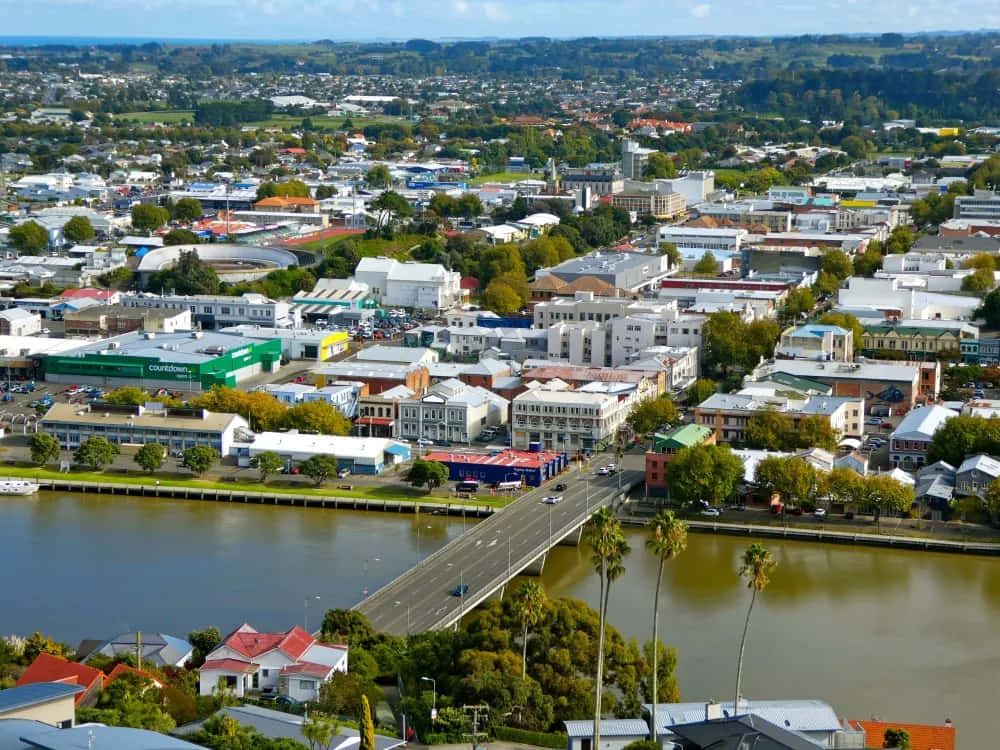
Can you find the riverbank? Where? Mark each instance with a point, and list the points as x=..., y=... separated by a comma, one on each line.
x=369, y=498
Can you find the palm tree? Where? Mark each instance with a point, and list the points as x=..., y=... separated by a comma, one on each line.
x=667, y=539
x=757, y=567
x=607, y=540
x=529, y=604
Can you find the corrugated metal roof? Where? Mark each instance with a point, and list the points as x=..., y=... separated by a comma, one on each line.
x=35, y=693
x=609, y=728
x=796, y=715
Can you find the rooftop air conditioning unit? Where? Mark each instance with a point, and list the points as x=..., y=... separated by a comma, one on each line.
x=149, y=335
x=196, y=334
x=114, y=345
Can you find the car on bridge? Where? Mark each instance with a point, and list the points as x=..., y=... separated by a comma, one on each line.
x=460, y=590
x=714, y=512
x=603, y=471
x=560, y=487
x=552, y=499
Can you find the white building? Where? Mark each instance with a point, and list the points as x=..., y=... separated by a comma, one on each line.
x=218, y=311
x=704, y=238
x=567, y=420
x=451, y=411
x=889, y=297
x=293, y=663
x=16, y=321
x=414, y=285
x=360, y=455
x=909, y=442
x=819, y=342
x=318, y=344
x=289, y=393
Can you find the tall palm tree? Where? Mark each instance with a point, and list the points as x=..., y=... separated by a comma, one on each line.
x=757, y=567
x=529, y=604
x=667, y=539
x=607, y=540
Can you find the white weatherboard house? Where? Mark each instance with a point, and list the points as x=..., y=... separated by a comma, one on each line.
x=911, y=439
x=294, y=663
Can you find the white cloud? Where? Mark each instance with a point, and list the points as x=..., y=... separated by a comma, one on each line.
x=461, y=7
x=702, y=10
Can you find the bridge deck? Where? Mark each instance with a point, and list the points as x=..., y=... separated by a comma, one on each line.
x=491, y=553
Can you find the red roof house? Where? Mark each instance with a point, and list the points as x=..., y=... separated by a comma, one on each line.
x=49, y=668
x=922, y=736
x=121, y=669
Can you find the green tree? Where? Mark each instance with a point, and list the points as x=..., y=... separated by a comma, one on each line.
x=146, y=217
x=826, y=283
x=990, y=309
x=95, y=453
x=901, y=239
x=187, y=276
x=837, y=263
x=896, y=738
x=667, y=539
x=78, y=229
x=756, y=570
x=131, y=700
x=885, y=495
x=651, y=414
x=319, y=468
x=390, y=205
x=501, y=298
x=37, y=644
x=854, y=146
x=151, y=456
x=673, y=254
x=849, y=323
x=769, y=429
x=268, y=463
x=799, y=301
x=979, y=281
x=841, y=485
x=991, y=501
x=815, y=431
x=701, y=390
x=430, y=473
x=962, y=436
x=378, y=176
x=704, y=472
x=707, y=264
x=986, y=261
x=128, y=395
x=529, y=603
x=660, y=166
x=203, y=642
x=187, y=210
x=607, y=542
x=180, y=237
x=44, y=448
x=366, y=727
x=320, y=417
x=320, y=730
x=794, y=479
x=29, y=238
x=200, y=458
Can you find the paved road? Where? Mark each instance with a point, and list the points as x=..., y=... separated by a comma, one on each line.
x=491, y=552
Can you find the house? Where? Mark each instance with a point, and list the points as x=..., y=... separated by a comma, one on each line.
x=615, y=733
x=975, y=475
x=665, y=447
x=49, y=668
x=922, y=736
x=158, y=649
x=53, y=703
x=752, y=731
x=730, y=413
x=294, y=662
x=452, y=411
x=856, y=462
x=910, y=440
x=20, y=734
x=935, y=488
x=819, y=342
x=19, y=322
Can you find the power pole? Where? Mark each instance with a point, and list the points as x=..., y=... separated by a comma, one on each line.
x=476, y=710
x=138, y=650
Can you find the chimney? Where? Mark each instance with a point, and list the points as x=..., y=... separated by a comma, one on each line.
x=713, y=710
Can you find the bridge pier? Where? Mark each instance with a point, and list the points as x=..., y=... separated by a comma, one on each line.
x=573, y=538
x=535, y=568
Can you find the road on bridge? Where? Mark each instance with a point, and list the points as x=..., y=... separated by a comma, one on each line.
x=489, y=554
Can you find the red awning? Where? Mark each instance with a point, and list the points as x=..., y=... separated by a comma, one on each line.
x=379, y=421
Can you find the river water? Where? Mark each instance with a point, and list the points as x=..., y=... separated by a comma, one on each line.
x=908, y=636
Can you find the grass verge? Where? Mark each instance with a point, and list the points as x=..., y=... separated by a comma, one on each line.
x=288, y=488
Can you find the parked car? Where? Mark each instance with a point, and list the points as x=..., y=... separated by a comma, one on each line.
x=425, y=442
x=874, y=420
x=342, y=473
x=819, y=512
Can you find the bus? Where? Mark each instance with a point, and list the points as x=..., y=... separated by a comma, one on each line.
x=467, y=485
x=513, y=485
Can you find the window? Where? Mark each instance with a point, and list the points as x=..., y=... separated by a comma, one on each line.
x=307, y=684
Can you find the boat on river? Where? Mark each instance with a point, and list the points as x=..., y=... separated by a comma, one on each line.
x=18, y=487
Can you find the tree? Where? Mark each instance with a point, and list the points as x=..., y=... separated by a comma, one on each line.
x=267, y=463
x=151, y=456
x=659, y=166
x=78, y=229
x=29, y=238
x=37, y=644
x=885, y=495
x=896, y=738
x=128, y=395
x=378, y=176
x=849, y=323
x=95, y=453
x=607, y=542
x=701, y=390
x=667, y=539
x=529, y=603
x=990, y=309
x=200, y=458
x=704, y=472
x=366, y=727
x=794, y=479
x=985, y=261
x=962, y=436
x=901, y=239
x=319, y=730
x=979, y=281
x=756, y=570
x=651, y=414
x=203, y=642
x=706, y=264
x=841, y=485
x=146, y=217
x=187, y=210
x=319, y=468
x=815, y=431
x=131, y=700
x=390, y=204
x=768, y=429
x=501, y=298
x=800, y=300
x=991, y=501
x=430, y=473
x=673, y=254
x=44, y=448
x=348, y=626
x=854, y=146
x=180, y=237
x=320, y=417
x=187, y=276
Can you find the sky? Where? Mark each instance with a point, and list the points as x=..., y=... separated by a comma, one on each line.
x=402, y=19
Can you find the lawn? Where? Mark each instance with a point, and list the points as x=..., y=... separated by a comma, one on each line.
x=398, y=247
x=166, y=116
x=277, y=486
x=504, y=177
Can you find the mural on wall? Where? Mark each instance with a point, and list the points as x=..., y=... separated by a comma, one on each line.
x=892, y=394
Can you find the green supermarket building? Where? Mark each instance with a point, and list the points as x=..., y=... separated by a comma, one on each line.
x=183, y=360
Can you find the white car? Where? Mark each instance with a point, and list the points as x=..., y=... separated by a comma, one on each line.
x=611, y=467
x=603, y=471
x=425, y=442
x=714, y=512
x=819, y=512
x=873, y=420
x=552, y=499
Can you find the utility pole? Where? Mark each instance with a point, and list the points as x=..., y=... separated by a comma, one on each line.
x=138, y=650
x=476, y=710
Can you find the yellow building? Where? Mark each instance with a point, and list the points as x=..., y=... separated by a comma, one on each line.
x=915, y=342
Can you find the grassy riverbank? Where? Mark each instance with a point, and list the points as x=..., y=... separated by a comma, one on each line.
x=277, y=486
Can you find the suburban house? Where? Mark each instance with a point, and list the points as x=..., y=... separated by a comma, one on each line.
x=49, y=668
x=976, y=474
x=294, y=663
x=909, y=442
x=49, y=702
x=158, y=649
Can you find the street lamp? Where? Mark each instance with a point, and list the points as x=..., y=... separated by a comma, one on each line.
x=305, y=618
x=434, y=698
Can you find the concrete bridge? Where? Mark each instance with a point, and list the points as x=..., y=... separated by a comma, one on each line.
x=513, y=541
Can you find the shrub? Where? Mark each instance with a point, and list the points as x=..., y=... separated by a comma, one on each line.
x=526, y=737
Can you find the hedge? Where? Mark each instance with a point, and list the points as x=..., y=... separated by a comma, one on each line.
x=541, y=739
